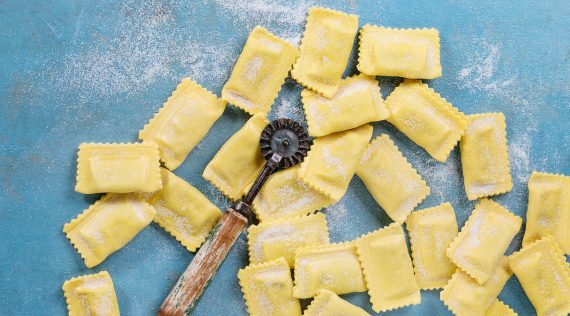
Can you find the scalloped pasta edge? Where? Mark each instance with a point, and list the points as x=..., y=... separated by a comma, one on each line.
x=66, y=285
x=558, y=256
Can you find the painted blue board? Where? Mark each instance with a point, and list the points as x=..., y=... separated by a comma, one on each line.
x=96, y=71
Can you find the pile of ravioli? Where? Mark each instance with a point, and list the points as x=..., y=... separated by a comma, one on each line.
x=469, y=265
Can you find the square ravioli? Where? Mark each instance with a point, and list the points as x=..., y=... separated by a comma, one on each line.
x=464, y=296
x=548, y=210
x=356, y=102
x=333, y=267
x=281, y=238
x=484, y=156
x=108, y=225
x=286, y=195
x=431, y=231
x=388, y=269
x=325, y=49
x=234, y=176
x=92, y=294
x=544, y=275
x=182, y=122
x=268, y=289
x=259, y=72
x=484, y=239
x=426, y=118
x=333, y=159
x=183, y=211
x=326, y=303
x=408, y=53
x=390, y=178
x=499, y=308
x=118, y=168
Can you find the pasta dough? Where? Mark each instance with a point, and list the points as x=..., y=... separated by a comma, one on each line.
x=544, y=275
x=357, y=101
x=484, y=239
x=333, y=267
x=281, y=238
x=235, y=166
x=499, y=308
x=548, y=209
x=182, y=122
x=426, y=118
x=259, y=72
x=333, y=159
x=484, y=156
x=183, y=211
x=393, y=182
x=464, y=296
x=268, y=289
x=325, y=50
x=408, y=53
x=388, y=269
x=326, y=303
x=117, y=168
x=92, y=294
x=431, y=231
x=286, y=195
x=108, y=225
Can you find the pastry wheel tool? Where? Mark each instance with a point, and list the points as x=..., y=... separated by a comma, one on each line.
x=284, y=143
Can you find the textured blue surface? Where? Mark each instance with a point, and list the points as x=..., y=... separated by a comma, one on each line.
x=83, y=71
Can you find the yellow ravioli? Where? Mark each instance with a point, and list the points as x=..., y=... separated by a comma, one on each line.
x=484, y=239
x=92, y=294
x=108, y=225
x=182, y=122
x=268, y=289
x=426, y=118
x=357, y=101
x=431, y=231
x=118, y=168
x=286, y=195
x=388, y=269
x=484, y=156
x=325, y=50
x=390, y=178
x=183, y=211
x=333, y=267
x=408, y=53
x=269, y=241
x=326, y=303
x=499, y=308
x=259, y=72
x=333, y=159
x=548, y=209
x=544, y=275
x=235, y=166
x=464, y=296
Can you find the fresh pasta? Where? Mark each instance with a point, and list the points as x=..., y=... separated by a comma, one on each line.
x=426, y=118
x=118, y=168
x=390, y=178
x=92, y=294
x=259, y=72
x=183, y=211
x=327, y=303
x=108, y=225
x=408, y=53
x=325, y=50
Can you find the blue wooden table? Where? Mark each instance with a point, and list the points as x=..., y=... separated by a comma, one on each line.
x=96, y=71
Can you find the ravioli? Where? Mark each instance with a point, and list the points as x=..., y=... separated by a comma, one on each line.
x=92, y=294
x=259, y=72
x=182, y=122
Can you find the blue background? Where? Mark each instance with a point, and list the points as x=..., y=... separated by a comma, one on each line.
x=96, y=71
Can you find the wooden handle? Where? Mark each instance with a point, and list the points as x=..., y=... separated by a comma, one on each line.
x=191, y=285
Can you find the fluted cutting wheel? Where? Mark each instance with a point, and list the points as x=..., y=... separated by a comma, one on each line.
x=286, y=137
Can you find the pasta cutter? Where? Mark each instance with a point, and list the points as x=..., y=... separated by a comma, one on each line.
x=284, y=143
